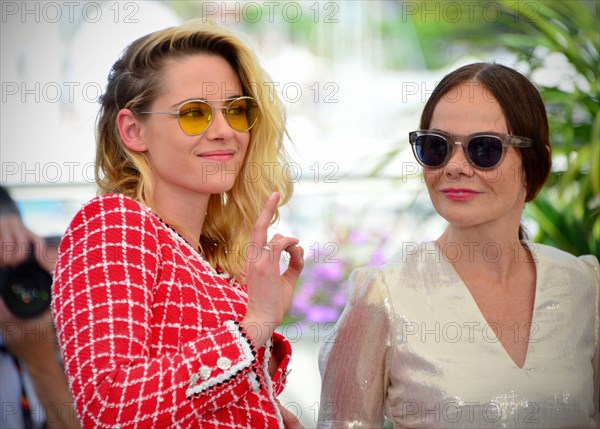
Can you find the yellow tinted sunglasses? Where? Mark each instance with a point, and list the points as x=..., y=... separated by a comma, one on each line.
x=195, y=116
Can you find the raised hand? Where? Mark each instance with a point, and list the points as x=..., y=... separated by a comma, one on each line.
x=16, y=241
x=269, y=292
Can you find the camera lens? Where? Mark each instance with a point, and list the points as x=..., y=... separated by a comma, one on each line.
x=26, y=289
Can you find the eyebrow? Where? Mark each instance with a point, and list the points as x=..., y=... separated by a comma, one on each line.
x=440, y=131
x=176, y=105
x=465, y=135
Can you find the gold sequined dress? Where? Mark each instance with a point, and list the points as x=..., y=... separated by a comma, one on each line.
x=413, y=345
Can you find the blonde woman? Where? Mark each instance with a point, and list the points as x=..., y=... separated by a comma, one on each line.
x=167, y=290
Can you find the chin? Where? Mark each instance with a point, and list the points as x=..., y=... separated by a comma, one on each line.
x=460, y=220
x=219, y=188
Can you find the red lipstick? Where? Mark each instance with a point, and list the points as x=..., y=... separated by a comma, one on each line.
x=459, y=194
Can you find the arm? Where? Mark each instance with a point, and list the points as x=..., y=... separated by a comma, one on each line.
x=270, y=295
x=281, y=353
x=354, y=363
x=103, y=295
x=592, y=262
x=33, y=342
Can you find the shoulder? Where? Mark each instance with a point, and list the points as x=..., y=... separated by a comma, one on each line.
x=553, y=259
x=565, y=276
x=407, y=264
x=113, y=202
x=365, y=285
x=116, y=207
x=415, y=261
x=362, y=275
x=111, y=212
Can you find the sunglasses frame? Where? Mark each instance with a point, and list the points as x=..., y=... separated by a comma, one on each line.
x=507, y=140
x=225, y=107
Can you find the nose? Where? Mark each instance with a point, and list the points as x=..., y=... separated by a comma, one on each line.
x=458, y=163
x=219, y=128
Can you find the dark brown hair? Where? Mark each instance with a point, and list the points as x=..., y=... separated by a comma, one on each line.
x=523, y=109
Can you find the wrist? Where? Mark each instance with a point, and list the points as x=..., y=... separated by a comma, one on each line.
x=257, y=330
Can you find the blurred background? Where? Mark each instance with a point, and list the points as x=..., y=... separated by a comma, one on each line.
x=354, y=76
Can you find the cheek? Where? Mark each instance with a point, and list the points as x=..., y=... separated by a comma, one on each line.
x=432, y=177
x=509, y=186
x=243, y=143
x=513, y=173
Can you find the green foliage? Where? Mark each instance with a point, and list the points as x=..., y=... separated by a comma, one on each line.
x=567, y=210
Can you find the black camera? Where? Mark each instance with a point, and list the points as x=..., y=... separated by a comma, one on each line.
x=26, y=288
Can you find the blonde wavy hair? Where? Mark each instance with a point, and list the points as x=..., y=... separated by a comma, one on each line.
x=135, y=82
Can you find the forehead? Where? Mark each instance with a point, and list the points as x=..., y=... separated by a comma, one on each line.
x=468, y=108
x=200, y=76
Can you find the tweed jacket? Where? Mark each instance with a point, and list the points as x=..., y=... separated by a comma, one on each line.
x=150, y=332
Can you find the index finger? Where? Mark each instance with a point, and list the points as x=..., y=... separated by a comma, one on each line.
x=259, y=232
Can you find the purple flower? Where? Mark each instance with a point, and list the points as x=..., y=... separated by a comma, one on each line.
x=358, y=238
x=378, y=257
x=329, y=271
x=339, y=299
x=308, y=288
x=322, y=292
x=321, y=314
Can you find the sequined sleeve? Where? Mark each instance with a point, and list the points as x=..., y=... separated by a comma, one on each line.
x=592, y=262
x=354, y=362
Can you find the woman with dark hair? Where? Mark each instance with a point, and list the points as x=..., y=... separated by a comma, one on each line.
x=480, y=328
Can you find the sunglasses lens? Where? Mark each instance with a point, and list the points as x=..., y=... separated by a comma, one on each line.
x=485, y=151
x=194, y=117
x=431, y=150
x=242, y=114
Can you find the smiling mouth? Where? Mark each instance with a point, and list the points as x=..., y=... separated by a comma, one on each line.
x=217, y=156
x=459, y=194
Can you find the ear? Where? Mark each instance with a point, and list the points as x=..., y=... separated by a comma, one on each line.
x=130, y=130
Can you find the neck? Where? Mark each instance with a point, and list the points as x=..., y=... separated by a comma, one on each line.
x=183, y=211
x=481, y=250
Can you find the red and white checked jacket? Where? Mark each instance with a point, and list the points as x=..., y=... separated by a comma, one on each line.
x=149, y=330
